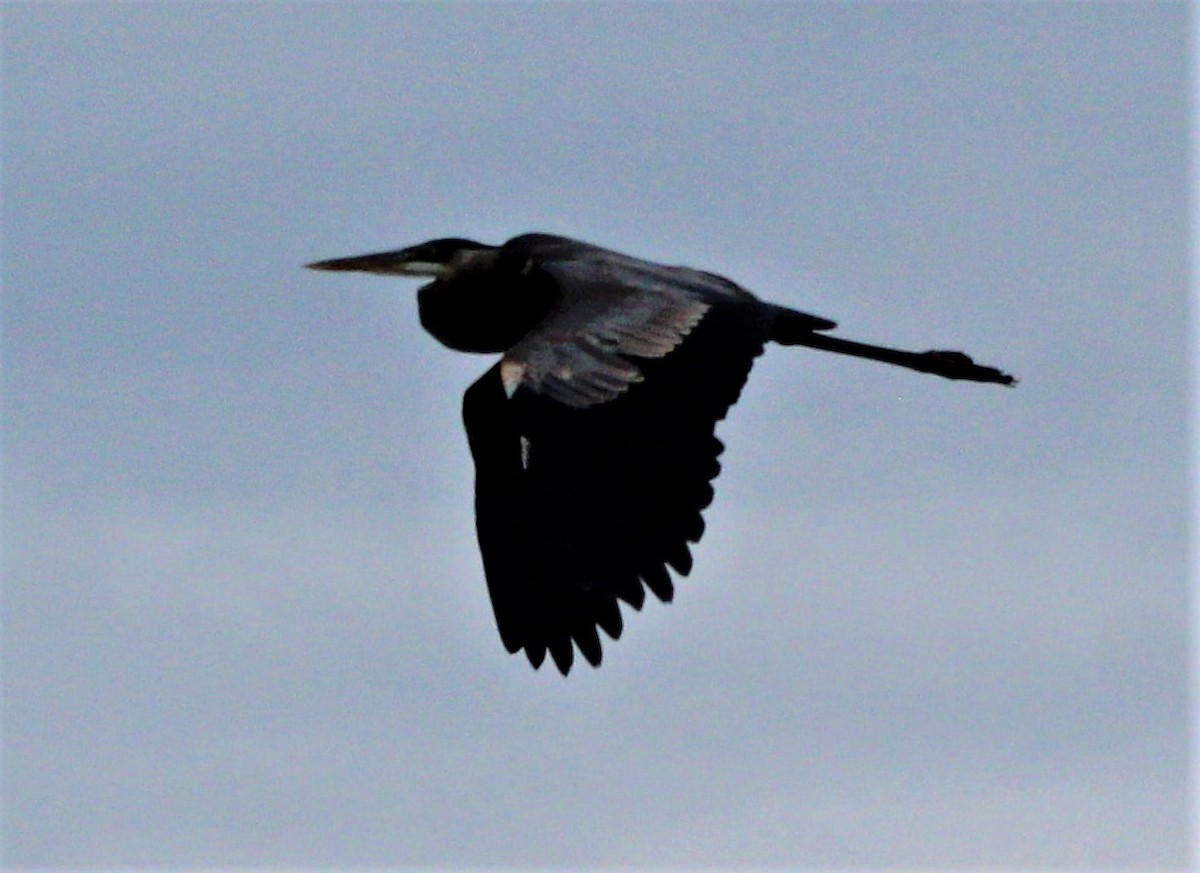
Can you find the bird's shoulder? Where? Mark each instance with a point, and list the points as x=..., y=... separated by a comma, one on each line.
x=576, y=264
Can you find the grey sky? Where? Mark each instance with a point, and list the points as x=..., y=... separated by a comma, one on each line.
x=931, y=623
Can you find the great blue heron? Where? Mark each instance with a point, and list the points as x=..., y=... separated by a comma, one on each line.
x=593, y=436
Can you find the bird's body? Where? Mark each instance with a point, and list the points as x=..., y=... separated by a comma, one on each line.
x=593, y=437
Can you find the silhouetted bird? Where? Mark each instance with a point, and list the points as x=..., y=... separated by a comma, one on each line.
x=593, y=435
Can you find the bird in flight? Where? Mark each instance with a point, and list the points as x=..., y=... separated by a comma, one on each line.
x=593, y=436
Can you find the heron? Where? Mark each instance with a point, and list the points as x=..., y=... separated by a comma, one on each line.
x=593, y=436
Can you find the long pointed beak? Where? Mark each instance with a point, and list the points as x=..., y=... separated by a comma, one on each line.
x=397, y=263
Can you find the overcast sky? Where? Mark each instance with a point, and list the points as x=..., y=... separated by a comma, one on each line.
x=932, y=624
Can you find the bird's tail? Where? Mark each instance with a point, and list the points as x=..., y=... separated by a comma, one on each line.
x=792, y=328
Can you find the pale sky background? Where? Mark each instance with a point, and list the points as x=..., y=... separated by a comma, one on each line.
x=932, y=624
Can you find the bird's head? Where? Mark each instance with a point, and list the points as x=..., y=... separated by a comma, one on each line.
x=439, y=258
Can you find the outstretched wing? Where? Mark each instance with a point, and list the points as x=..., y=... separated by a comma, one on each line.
x=579, y=505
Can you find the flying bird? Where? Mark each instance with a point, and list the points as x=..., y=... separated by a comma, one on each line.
x=593, y=436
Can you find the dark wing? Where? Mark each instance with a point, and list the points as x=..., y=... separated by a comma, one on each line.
x=577, y=506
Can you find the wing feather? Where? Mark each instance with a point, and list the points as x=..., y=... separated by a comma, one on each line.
x=609, y=308
x=581, y=504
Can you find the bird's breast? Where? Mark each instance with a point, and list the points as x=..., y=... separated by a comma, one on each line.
x=479, y=317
